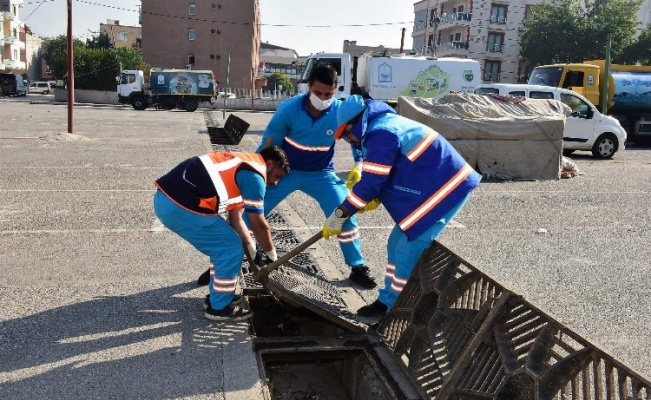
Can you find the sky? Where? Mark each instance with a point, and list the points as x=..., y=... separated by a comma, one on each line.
x=312, y=25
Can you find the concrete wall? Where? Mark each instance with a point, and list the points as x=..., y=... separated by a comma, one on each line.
x=97, y=97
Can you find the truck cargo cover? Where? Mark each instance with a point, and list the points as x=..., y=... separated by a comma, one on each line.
x=502, y=137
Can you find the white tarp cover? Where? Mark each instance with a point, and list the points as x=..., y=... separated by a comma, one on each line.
x=502, y=137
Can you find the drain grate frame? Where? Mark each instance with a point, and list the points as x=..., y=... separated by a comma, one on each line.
x=458, y=334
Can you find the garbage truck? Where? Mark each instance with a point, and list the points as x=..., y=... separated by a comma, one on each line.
x=629, y=90
x=166, y=89
x=12, y=85
x=387, y=77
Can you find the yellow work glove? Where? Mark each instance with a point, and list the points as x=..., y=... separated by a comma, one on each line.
x=370, y=206
x=334, y=224
x=354, y=176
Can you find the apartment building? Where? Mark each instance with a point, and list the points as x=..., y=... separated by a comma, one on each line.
x=12, y=46
x=121, y=35
x=202, y=34
x=484, y=30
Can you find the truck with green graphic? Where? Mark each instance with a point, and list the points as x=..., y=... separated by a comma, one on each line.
x=166, y=89
x=387, y=77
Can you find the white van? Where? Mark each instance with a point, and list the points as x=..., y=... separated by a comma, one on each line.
x=586, y=129
x=39, y=87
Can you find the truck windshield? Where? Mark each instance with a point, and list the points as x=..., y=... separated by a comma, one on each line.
x=548, y=76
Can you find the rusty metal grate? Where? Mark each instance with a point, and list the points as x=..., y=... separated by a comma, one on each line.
x=460, y=335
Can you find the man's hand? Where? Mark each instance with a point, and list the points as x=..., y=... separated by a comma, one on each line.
x=370, y=206
x=334, y=224
x=354, y=176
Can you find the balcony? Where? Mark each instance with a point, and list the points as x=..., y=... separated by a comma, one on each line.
x=455, y=17
x=497, y=20
x=491, y=77
x=8, y=15
x=454, y=48
x=14, y=64
x=495, y=48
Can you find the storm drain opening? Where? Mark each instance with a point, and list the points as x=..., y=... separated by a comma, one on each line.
x=325, y=375
x=302, y=355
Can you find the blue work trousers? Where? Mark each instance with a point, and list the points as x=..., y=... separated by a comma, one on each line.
x=402, y=254
x=329, y=191
x=211, y=235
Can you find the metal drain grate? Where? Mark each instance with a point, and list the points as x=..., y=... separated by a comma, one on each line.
x=314, y=293
x=458, y=335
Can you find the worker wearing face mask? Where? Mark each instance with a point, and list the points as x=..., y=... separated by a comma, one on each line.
x=304, y=126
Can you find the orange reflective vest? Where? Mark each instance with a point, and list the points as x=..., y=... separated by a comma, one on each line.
x=206, y=184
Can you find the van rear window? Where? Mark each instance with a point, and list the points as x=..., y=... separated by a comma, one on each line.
x=486, y=91
x=541, y=95
x=519, y=93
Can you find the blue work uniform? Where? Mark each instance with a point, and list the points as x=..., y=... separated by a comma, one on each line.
x=181, y=204
x=309, y=145
x=420, y=178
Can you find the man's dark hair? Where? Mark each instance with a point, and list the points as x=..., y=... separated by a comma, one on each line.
x=325, y=74
x=277, y=155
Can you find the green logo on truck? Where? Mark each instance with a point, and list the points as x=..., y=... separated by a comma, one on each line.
x=468, y=75
x=429, y=83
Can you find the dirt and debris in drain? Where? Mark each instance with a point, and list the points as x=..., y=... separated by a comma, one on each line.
x=323, y=376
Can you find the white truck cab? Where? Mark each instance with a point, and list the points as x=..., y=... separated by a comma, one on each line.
x=585, y=129
x=131, y=80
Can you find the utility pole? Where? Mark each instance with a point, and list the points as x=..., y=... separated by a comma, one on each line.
x=71, y=70
x=604, y=94
x=427, y=23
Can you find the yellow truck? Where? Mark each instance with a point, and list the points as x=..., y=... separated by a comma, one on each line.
x=629, y=90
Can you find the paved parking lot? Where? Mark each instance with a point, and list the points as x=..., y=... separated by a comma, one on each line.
x=98, y=299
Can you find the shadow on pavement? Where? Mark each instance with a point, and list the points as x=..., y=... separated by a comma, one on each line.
x=154, y=344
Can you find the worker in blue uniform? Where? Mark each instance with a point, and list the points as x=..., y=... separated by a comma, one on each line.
x=415, y=172
x=189, y=200
x=304, y=126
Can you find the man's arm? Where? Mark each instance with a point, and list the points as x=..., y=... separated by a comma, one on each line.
x=236, y=221
x=276, y=130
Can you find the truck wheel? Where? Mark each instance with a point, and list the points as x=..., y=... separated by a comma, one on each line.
x=139, y=103
x=605, y=146
x=191, y=104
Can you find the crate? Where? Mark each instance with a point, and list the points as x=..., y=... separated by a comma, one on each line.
x=230, y=133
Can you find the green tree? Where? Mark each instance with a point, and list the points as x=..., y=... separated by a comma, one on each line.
x=570, y=31
x=95, y=67
x=276, y=79
x=101, y=41
x=56, y=54
x=638, y=52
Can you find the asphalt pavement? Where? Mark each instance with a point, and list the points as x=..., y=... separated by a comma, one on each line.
x=98, y=299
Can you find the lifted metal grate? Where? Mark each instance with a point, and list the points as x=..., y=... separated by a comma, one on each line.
x=314, y=293
x=458, y=335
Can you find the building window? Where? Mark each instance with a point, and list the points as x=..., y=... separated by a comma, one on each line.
x=192, y=35
x=192, y=9
x=498, y=14
x=492, y=70
x=216, y=31
x=495, y=42
x=123, y=36
x=190, y=59
x=216, y=6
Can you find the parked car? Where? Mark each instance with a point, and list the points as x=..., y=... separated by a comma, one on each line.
x=586, y=129
x=221, y=95
x=39, y=87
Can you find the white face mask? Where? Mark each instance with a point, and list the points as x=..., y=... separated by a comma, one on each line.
x=318, y=103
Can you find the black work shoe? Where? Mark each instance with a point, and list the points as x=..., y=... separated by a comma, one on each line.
x=375, y=309
x=360, y=276
x=204, y=279
x=230, y=313
x=237, y=300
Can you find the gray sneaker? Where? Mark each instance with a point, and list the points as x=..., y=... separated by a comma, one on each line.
x=237, y=301
x=229, y=313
